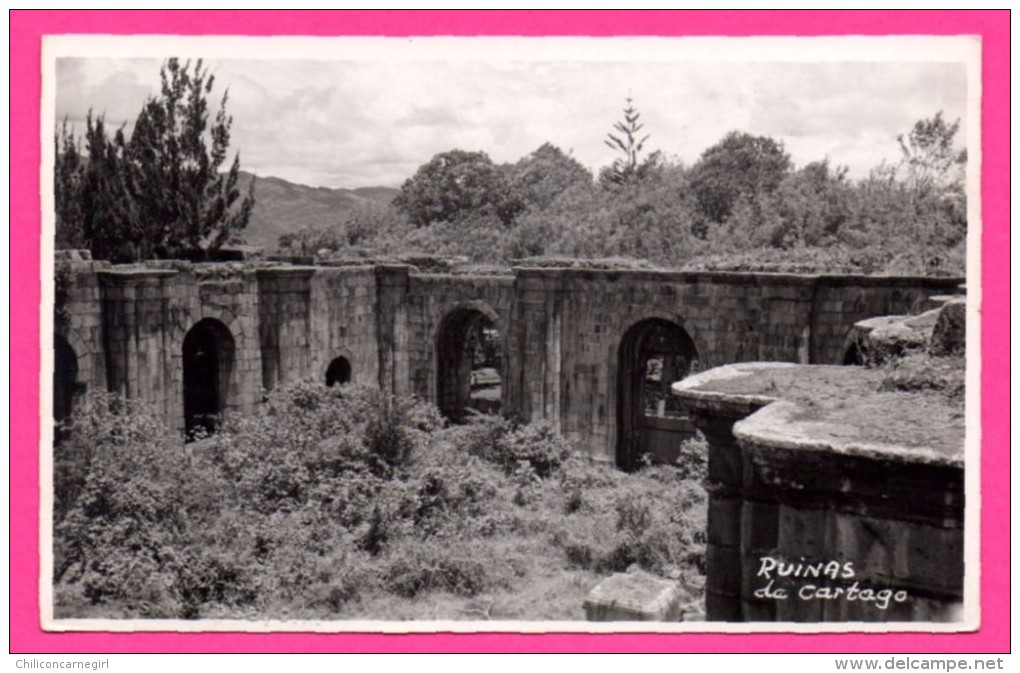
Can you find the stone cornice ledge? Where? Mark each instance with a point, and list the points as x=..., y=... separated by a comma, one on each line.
x=770, y=421
x=775, y=427
x=689, y=389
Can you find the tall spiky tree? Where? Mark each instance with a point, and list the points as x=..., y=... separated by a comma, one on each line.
x=159, y=193
x=629, y=141
x=184, y=202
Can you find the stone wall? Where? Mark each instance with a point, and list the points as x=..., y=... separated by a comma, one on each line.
x=841, y=301
x=343, y=322
x=430, y=298
x=561, y=329
x=147, y=313
x=784, y=488
x=79, y=321
x=567, y=327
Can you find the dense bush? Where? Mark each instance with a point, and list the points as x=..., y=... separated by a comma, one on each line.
x=119, y=499
x=693, y=459
x=535, y=447
x=325, y=500
x=741, y=206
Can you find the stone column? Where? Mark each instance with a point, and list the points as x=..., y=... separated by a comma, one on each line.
x=284, y=323
x=727, y=528
x=392, y=328
x=810, y=496
x=136, y=319
x=536, y=322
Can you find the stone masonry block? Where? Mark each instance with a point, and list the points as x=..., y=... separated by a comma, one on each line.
x=635, y=596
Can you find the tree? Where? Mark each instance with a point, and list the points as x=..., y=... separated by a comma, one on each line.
x=928, y=155
x=933, y=174
x=539, y=178
x=92, y=206
x=68, y=175
x=813, y=205
x=454, y=185
x=159, y=193
x=630, y=168
x=740, y=165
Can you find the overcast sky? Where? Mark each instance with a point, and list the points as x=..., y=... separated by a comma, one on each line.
x=372, y=123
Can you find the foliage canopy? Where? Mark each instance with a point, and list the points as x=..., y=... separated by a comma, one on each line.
x=742, y=206
x=160, y=192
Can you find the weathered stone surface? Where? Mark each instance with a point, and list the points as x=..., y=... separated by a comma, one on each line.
x=636, y=595
x=949, y=336
x=561, y=329
x=72, y=255
x=813, y=491
x=899, y=335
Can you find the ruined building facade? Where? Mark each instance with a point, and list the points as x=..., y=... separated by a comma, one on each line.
x=575, y=345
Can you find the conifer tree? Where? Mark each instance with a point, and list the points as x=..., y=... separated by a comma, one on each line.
x=629, y=141
x=159, y=193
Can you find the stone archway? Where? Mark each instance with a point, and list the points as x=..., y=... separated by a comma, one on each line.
x=65, y=378
x=854, y=355
x=653, y=354
x=469, y=364
x=208, y=360
x=854, y=351
x=338, y=372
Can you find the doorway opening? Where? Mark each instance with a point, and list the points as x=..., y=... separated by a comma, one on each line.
x=338, y=372
x=208, y=369
x=65, y=381
x=468, y=365
x=654, y=354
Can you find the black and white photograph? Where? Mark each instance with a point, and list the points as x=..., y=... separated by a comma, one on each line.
x=510, y=334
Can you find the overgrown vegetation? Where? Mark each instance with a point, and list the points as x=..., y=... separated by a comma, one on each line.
x=343, y=502
x=921, y=371
x=163, y=191
x=742, y=205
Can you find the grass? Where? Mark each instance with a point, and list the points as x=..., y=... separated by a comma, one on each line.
x=341, y=504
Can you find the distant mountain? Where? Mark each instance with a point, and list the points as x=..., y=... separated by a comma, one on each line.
x=282, y=207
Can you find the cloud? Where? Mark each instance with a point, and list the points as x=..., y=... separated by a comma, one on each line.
x=361, y=123
x=116, y=88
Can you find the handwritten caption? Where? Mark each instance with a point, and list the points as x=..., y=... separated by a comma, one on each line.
x=816, y=581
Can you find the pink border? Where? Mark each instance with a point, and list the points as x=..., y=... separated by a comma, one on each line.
x=26, y=29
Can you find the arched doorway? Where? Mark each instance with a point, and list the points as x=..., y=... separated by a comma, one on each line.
x=65, y=378
x=338, y=372
x=654, y=354
x=468, y=364
x=853, y=356
x=208, y=369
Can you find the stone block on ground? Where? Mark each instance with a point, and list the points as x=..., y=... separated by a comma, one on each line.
x=635, y=596
x=949, y=336
x=898, y=336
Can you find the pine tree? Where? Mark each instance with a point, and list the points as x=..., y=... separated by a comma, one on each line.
x=68, y=172
x=159, y=193
x=628, y=169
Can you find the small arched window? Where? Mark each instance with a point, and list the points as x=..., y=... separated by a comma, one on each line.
x=338, y=372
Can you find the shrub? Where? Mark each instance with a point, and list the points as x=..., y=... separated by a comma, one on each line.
x=693, y=458
x=521, y=450
x=327, y=497
x=424, y=567
x=120, y=516
x=101, y=423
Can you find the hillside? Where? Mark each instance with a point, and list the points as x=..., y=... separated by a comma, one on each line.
x=282, y=207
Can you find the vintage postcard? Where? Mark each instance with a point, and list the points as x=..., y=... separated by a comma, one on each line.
x=469, y=334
